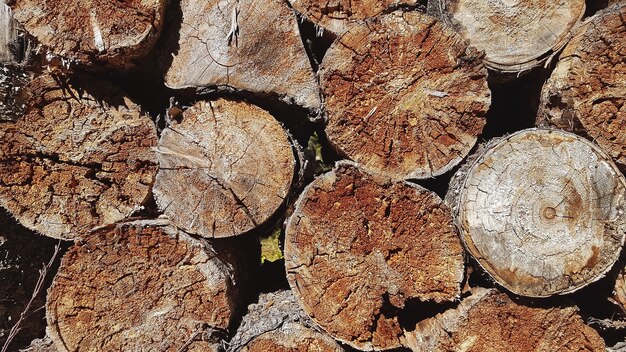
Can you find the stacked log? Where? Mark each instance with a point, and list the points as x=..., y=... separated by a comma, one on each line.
x=542, y=211
x=516, y=36
x=143, y=285
x=358, y=249
x=418, y=122
x=277, y=323
x=585, y=93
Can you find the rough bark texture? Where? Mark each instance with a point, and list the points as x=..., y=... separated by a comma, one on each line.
x=13, y=49
x=233, y=162
x=245, y=44
x=489, y=321
x=77, y=158
x=516, y=35
x=586, y=93
x=22, y=254
x=277, y=323
x=338, y=16
x=404, y=96
x=542, y=211
x=8, y=34
x=142, y=285
x=619, y=291
x=41, y=345
x=358, y=249
x=93, y=29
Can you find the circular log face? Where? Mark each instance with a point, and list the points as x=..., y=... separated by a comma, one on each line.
x=224, y=169
x=543, y=212
x=516, y=35
x=587, y=91
x=138, y=287
x=73, y=162
x=293, y=339
x=404, y=96
x=100, y=28
x=336, y=16
x=357, y=250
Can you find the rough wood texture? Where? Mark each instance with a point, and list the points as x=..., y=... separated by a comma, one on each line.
x=338, y=16
x=586, y=93
x=516, y=35
x=404, y=96
x=233, y=162
x=8, y=34
x=142, y=286
x=489, y=321
x=619, y=291
x=95, y=29
x=22, y=254
x=542, y=211
x=277, y=323
x=77, y=159
x=358, y=249
x=250, y=45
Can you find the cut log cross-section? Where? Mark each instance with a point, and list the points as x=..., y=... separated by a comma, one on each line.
x=404, y=95
x=542, y=211
x=339, y=15
x=232, y=161
x=489, y=321
x=357, y=250
x=247, y=45
x=101, y=29
x=586, y=93
x=277, y=323
x=76, y=159
x=142, y=286
x=516, y=35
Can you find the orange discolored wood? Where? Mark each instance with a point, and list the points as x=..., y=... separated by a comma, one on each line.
x=142, y=285
x=357, y=249
x=77, y=158
x=404, y=95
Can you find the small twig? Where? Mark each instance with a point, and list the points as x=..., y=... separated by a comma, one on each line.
x=38, y=286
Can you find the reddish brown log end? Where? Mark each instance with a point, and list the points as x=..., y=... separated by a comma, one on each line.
x=224, y=169
x=586, y=93
x=102, y=29
x=73, y=162
x=404, y=95
x=489, y=321
x=140, y=286
x=357, y=250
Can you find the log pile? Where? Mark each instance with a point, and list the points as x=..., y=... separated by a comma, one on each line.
x=156, y=147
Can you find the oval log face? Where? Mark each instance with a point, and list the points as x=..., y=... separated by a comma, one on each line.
x=404, y=96
x=516, y=35
x=587, y=90
x=224, y=169
x=543, y=212
x=104, y=29
x=357, y=249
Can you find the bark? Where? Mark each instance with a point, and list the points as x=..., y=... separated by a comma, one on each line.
x=41, y=345
x=77, y=158
x=404, y=96
x=8, y=35
x=143, y=285
x=586, y=92
x=516, y=36
x=233, y=162
x=542, y=211
x=358, y=249
x=491, y=321
x=247, y=45
x=98, y=29
x=339, y=15
x=277, y=323
x=22, y=255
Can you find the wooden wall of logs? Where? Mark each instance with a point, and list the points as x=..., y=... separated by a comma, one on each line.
x=308, y=175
